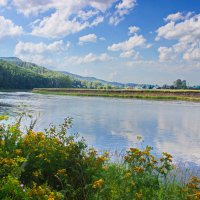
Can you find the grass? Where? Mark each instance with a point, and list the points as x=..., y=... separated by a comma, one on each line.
x=182, y=95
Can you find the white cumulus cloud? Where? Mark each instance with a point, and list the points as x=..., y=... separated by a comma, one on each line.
x=41, y=53
x=186, y=35
x=183, y=31
x=102, y=5
x=66, y=17
x=130, y=54
x=166, y=54
x=8, y=28
x=192, y=54
x=131, y=43
x=87, y=38
x=122, y=8
x=28, y=7
x=64, y=25
x=89, y=58
x=174, y=17
x=35, y=48
x=85, y=15
x=133, y=29
x=3, y=2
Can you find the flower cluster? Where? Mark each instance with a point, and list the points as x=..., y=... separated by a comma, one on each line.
x=98, y=184
x=194, y=187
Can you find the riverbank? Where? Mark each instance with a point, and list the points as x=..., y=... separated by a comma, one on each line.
x=183, y=95
x=14, y=90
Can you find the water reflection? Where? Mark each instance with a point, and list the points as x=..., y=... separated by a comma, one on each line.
x=108, y=123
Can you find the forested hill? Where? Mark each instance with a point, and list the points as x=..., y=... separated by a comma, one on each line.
x=16, y=74
x=96, y=80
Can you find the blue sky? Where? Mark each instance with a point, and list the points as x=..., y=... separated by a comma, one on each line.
x=141, y=41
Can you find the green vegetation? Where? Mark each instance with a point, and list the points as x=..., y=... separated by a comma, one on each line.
x=179, y=84
x=16, y=74
x=52, y=165
x=21, y=77
x=185, y=95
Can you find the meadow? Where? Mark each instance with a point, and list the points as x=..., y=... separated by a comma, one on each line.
x=185, y=95
x=55, y=165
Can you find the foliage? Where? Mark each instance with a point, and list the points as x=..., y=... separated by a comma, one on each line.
x=180, y=84
x=54, y=165
x=20, y=77
x=16, y=74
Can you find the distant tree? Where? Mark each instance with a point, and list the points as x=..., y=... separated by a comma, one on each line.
x=184, y=84
x=179, y=84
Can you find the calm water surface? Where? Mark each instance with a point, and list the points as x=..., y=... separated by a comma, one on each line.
x=114, y=124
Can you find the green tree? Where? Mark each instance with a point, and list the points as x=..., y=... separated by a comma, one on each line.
x=179, y=84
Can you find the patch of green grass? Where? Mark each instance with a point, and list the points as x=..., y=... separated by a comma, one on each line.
x=144, y=94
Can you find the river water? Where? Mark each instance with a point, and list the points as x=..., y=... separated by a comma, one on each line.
x=114, y=124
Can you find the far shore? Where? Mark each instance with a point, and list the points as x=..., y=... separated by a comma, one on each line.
x=14, y=90
x=181, y=95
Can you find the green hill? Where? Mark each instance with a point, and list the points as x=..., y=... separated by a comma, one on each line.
x=16, y=74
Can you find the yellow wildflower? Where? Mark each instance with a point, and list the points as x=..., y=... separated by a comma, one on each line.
x=161, y=159
x=138, y=169
x=51, y=196
x=98, y=183
x=133, y=149
x=41, y=135
x=195, y=179
x=40, y=155
x=146, y=152
x=40, y=191
x=128, y=174
x=106, y=154
x=167, y=155
x=92, y=152
x=101, y=159
x=37, y=173
x=142, y=159
x=197, y=195
x=61, y=171
x=127, y=158
x=56, y=140
x=153, y=159
x=18, y=151
x=138, y=195
x=184, y=190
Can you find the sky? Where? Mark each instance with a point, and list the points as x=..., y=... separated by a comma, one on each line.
x=139, y=41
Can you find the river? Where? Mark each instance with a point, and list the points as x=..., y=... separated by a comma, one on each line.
x=114, y=124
